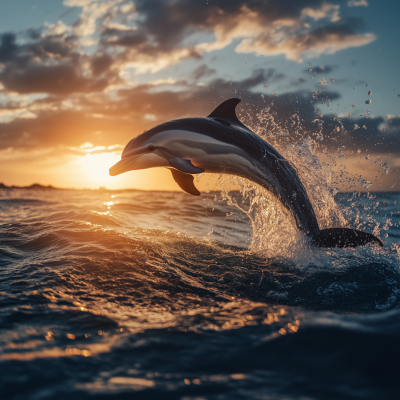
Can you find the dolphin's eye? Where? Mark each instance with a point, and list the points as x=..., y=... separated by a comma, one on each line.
x=151, y=147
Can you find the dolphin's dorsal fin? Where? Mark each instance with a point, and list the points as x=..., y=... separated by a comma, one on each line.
x=185, y=181
x=226, y=110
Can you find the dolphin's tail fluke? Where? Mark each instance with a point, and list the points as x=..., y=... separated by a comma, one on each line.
x=343, y=237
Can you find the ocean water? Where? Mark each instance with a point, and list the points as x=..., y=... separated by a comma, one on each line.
x=161, y=295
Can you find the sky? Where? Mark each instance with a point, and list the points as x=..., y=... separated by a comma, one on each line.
x=80, y=78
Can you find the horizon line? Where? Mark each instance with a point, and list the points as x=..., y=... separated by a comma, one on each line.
x=39, y=186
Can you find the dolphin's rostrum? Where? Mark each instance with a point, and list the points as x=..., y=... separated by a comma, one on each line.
x=220, y=143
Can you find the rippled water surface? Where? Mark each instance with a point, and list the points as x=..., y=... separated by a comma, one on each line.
x=157, y=295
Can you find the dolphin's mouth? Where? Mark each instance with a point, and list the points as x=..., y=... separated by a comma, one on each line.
x=121, y=166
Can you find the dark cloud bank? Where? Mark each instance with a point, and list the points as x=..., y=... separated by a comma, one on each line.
x=51, y=64
x=124, y=118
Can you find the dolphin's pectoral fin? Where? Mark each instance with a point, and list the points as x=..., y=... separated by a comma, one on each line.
x=185, y=166
x=185, y=181
x=343, y=237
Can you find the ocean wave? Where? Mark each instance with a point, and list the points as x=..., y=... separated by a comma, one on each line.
x=119, y=299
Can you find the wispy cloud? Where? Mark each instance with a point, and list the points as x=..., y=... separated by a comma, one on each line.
x=357, y=3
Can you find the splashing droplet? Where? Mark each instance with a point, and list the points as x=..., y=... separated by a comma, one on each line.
x=365, y=184
x=386, y=168
x=315, y=94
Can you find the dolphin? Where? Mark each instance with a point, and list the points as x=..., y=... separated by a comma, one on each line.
x=220, y=143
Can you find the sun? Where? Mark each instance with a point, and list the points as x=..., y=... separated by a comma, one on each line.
x=90, y=170
x=95, y=167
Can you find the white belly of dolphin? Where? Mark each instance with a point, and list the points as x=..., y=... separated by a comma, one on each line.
x=204, y=151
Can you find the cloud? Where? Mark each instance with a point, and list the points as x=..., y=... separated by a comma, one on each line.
x=202, y=71
x=51, y=63
x=162, y=33
x=8, y=46
x=106, y=120
x=151, y=36
x=57, y=79
x=56, y=29
x=169, y=81
x=322, y=40
x=123, y=115
x=78, y=3
x=326, y=11
x=90, y=97
x=320, y=69
x=62, y=128
x=100, y=63
x=357, y=3
x=91, y=12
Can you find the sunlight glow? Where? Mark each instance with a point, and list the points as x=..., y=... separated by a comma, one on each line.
x=96, y=167
x=91, y=170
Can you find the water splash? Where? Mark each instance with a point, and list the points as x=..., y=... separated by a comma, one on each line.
x=323, y=175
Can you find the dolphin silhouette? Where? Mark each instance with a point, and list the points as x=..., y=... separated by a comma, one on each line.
x=220, y=143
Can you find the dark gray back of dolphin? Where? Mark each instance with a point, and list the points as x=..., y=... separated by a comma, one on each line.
x=268, y=168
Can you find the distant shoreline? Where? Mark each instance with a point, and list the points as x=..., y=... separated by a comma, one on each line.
x=38, y=186
x=33, y=186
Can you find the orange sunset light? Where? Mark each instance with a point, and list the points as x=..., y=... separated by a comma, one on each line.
x=73, y=94
x=92, y=172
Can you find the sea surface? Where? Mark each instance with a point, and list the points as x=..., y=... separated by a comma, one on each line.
x=162, y=295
